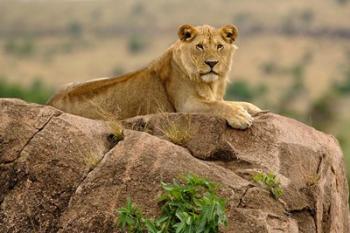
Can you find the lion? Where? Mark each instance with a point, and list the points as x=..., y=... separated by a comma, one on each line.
x=190, y=77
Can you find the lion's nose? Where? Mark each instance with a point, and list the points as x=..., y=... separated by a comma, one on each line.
x=211, y=63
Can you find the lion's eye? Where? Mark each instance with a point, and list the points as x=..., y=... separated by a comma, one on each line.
x=199, y=46
x=220, y=46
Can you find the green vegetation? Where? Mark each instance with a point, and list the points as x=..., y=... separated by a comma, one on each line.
x=322, y=111
x=131, y=218
x=118, y=70
x=241, y=90
x=189, y=205
x=136, y=44
x=117, y=131
x=177, y=132
x=74, y=29
x=342, y=2
x=270, y=181
x=37, y=92
x=269, y=67
x=344, y=86
x=21, y=47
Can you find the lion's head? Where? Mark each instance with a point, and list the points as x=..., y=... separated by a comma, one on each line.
x=205, y=53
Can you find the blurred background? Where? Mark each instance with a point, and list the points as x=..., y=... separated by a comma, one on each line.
x=293, y=57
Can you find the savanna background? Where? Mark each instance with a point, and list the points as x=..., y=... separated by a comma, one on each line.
x=293, y=57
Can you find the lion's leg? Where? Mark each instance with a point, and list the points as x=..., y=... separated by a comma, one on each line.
x=236, y=116
x=250, y=108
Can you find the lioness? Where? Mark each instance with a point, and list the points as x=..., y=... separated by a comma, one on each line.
x=191, y=76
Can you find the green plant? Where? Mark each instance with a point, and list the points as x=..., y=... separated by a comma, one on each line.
x=269, y=67
x=74, y=29
x=37, y=92
x=130, y=218
x=322, y=111
x=136, y=44
x=189, y=205
x=117, y=131
x=176, y=133
x=240, y=90
x=270, y=181
x=344, y=87
x=22, y=47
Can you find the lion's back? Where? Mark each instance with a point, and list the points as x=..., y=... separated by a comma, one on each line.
x=137, y=93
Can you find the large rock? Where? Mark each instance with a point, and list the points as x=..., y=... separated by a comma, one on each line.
x=62, y=173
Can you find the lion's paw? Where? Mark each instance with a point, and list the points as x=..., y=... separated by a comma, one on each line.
x=241, y=119
x=250, y=108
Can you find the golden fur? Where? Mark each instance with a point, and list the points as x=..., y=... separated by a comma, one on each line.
x=191, y=76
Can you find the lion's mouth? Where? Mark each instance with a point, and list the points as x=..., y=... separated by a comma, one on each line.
x=209, y=72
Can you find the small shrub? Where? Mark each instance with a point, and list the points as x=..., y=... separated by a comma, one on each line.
x=177, y=134
x=117, y=131
x=138, y=9
x=298, y=71
x=189, y=205
x=37, y=92
x=270, y=181
x=342, y=2
x=131, y=218
x=288, y=25
x=344, y=87
x=240, y=90
x=307, y=16
x=136, y=44
x=269, y=67
x=322, y=111
x=243, y=19
x=74, y=29
x=22, y=47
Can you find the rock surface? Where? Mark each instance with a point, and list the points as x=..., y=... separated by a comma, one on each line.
x=61, y=173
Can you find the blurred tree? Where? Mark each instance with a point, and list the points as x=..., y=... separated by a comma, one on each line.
x=20, y=47
x=239, y=90
x=74, y=29
x=307, y=17
x=37, y=92
x=344, y=86
x=323, y=112
x=137, y=9
x=342, y=2
x=136, y=44
x=269, y=67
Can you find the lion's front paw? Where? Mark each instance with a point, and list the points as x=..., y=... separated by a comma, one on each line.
x=250, y=108
x=241, y=119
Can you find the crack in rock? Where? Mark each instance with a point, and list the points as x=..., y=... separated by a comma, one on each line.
x=33, y=136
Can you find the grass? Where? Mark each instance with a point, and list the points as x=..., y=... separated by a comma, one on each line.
x=270, y=182
x=113, y=122
x=176, y=131
x=131, y=218
x=117, y=131
x=91, y=161
x=187, y=205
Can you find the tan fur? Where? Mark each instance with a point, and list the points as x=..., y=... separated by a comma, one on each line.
x=179, y=81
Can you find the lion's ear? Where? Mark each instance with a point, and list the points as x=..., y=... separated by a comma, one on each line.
x=186, y=32
x=229, y=33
